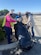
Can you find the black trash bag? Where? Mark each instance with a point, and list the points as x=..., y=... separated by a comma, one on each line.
x=22, y=34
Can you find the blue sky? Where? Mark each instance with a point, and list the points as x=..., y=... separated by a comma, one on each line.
x=21, y=5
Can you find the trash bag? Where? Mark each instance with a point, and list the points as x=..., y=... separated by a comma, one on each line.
x=22, y=35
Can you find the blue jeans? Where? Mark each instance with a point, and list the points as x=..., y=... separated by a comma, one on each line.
x=8, y=33
x=32, y=32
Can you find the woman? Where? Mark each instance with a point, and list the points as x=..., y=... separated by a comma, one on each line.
x=30, y=23
x=7, y=25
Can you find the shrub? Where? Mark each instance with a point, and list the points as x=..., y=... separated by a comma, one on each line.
x=2, y=33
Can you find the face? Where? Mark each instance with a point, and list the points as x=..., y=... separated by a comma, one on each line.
x=19, y=19
x=19, y=13
x=12, y=11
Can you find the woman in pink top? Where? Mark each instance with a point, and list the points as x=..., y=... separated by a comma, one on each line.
x=7, y=26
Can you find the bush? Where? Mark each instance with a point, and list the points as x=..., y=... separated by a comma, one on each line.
x=2, y=33
x=1, y=20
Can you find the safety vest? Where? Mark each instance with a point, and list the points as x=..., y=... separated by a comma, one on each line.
x=4, y=21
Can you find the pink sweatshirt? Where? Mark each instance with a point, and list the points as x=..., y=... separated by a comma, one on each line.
x=8, y=21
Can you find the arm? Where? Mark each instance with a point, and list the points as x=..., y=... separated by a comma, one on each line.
x=10, y=19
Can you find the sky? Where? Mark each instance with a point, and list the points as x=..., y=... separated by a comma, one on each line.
x=21, y=5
